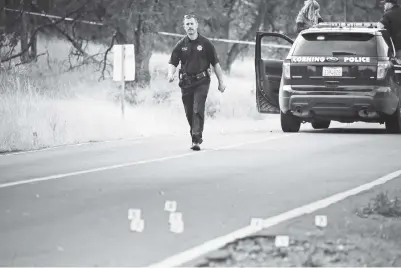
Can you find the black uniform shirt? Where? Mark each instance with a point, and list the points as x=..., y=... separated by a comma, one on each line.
x=392, y=22
x=195, y=55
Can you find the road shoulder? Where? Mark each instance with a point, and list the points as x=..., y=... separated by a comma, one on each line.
x=356, y=235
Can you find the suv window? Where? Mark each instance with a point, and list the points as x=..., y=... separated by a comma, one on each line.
x=359, y=44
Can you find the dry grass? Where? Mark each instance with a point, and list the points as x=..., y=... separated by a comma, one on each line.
x=382, y=205
x=348, y=240
x=41, y=105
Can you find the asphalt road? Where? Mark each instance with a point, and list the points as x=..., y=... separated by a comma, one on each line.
x=81, y=219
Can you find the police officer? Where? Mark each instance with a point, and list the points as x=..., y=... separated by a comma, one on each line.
x=391, y=21
x=196, y=54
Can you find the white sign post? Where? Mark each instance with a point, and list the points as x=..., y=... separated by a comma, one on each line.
x=123, y=67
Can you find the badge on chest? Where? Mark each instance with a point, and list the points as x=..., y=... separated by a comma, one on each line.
x=199, y=48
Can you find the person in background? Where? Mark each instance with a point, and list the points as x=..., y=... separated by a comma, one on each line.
x=308, y=16
x=196, y=54
x=391, y=21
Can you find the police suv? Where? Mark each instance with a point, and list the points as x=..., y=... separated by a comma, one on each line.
x=345, y=72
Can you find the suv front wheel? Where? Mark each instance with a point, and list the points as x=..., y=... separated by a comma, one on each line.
x=289, y=122
x=393, y=123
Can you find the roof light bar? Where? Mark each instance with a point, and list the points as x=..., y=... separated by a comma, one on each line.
x=347, y=25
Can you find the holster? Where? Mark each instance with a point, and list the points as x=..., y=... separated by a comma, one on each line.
x=184, y=80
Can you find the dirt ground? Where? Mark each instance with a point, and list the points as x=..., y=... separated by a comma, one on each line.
x=363, y=230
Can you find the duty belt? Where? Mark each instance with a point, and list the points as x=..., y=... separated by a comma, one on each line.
x=199, y=75
x=187, y=80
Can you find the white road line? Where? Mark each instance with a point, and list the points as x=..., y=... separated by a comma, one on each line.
x=198, y=251
x=136, y=140
x=161, y=159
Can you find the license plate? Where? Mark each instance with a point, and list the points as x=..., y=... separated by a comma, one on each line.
x=332, y=71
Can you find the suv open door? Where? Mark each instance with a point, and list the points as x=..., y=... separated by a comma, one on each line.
x=268, y=75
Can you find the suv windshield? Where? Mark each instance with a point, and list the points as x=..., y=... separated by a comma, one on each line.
x=336, y=44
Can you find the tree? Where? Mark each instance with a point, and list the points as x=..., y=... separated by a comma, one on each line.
x=257, y=15
x=138, y=21
x=235, y=19
x=25, y=29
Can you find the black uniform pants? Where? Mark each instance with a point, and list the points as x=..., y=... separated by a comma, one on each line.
x=194, y=100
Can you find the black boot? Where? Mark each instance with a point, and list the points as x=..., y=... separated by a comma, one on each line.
x=195, y=146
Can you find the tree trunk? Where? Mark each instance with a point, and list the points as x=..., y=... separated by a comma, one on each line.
x=223, y=48
x=236, y=48
x=24, y=36
x=33, y=52
x=232, y=55
x=27, y=29
x=143, y=52
x=2, y=27
x=143, y=39
x=2, y=17
x=219, y=26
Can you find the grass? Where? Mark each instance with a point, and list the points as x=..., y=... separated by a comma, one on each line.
x=370, y=239
x=382, y=205
x=41, y=105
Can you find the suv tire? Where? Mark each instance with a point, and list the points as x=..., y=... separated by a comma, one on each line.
x=393, y=123
x=321, y=124
x=289, y=122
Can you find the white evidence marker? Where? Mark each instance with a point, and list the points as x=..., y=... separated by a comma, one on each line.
x=321, y=221
x=170, y=206
x=137, y=225
x=134, y=214
x=177, y=227
x=257, y=222
x=282, y=241
x=175, y=217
